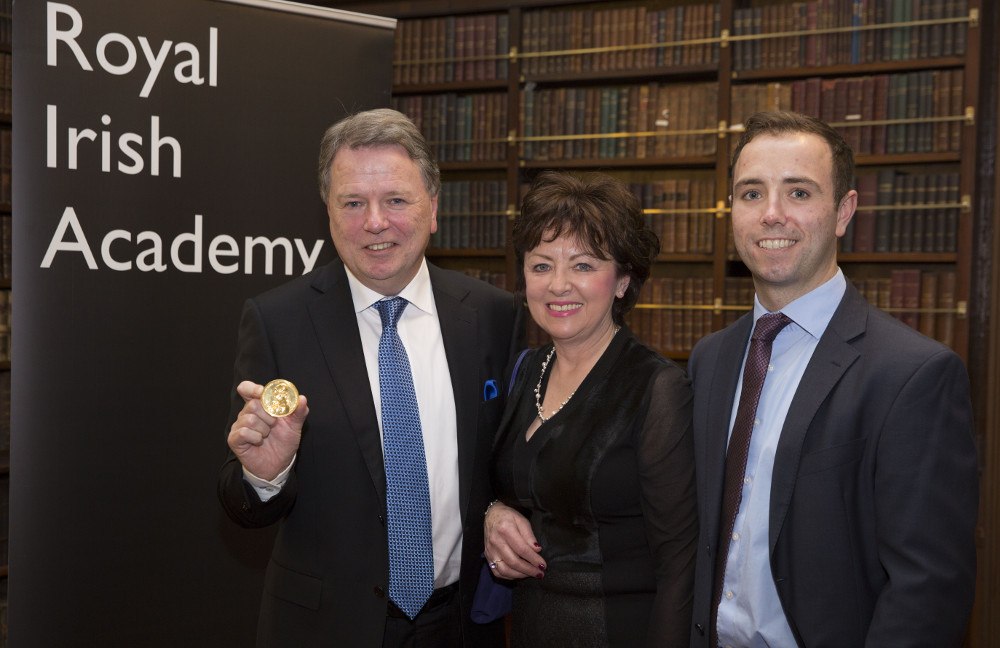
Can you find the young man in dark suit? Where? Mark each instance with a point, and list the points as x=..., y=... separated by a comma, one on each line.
x=840, y=508
x=326, y=473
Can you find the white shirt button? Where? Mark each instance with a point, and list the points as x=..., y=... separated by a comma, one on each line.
x=748, y=480
x=736, y=536
x=729, y=595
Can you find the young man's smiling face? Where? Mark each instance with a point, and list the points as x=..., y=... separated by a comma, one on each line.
x=785, y=219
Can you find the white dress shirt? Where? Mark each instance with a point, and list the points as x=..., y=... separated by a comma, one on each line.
x=420, y=331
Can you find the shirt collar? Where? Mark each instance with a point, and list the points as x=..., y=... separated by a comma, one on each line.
x=417, y=292
x=813, y=310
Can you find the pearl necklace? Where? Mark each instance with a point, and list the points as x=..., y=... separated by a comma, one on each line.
x=538, y=387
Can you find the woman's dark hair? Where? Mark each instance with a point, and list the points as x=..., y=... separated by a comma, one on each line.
x=601, y=213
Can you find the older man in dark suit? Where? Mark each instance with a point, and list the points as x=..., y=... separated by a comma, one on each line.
x=379, y=479
x=837, y=476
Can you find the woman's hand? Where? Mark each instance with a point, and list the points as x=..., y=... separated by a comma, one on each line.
x=511, y=548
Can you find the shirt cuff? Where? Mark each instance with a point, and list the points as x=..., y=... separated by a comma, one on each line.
x=267, y=489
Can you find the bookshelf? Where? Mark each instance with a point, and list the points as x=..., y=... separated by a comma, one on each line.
x=6, y=126
x=916, y=93
x=655, y=93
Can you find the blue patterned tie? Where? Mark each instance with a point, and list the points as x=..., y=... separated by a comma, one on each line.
x=411, y=551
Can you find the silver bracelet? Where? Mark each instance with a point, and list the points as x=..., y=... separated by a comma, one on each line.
x=487, y=511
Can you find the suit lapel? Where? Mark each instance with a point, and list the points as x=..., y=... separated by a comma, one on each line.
x=831, y=359
x=459, y=330
x=722, y=391
x=337, y=330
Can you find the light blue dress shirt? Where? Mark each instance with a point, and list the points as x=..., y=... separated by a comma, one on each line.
x=750, y=614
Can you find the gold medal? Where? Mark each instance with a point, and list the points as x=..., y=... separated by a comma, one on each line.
x=280, y=398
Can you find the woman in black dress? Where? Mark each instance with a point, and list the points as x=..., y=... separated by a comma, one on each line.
x=593, y=462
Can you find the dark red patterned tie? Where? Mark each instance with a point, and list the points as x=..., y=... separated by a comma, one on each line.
x=754, y=372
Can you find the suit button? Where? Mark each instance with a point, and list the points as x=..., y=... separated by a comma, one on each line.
x=381, y=519
x=379, y=592
x=700, y=628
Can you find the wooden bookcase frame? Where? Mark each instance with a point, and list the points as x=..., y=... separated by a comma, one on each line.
x=978, y=280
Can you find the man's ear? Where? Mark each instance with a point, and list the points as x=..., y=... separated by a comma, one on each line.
x=845, y=211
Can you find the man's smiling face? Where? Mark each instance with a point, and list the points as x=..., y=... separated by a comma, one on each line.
x=785, y=220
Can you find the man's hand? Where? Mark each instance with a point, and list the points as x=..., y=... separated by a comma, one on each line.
x=264, y=444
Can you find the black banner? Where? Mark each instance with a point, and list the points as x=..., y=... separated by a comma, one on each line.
x=164, y=170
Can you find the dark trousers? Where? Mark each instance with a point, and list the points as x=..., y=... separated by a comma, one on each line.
x=439, y=624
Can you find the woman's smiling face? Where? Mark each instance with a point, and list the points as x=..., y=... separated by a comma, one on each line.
x=570, y=290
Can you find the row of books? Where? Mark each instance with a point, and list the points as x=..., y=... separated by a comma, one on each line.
x=6, y=23
x=6, y=149
x=911, y=295
x=498, y=279
x=450, y=49
x=924, y=215
x=4, y=520
x=669, y=331
x=6, y=83
x=923, y=300
x=927, y=94
x=460, y=127
x=476, y=47
x=630, y=29
x=929, y=225
x=5, y=319
x=652, y=120
x=923, y=218
x=649, y=120
x=4, y=434
x=673, y=331
x=6, y=234
x=679, y=233
x=862, y=44
x=471, y=214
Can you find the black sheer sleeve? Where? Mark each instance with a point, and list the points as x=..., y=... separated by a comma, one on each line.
x=667, y=483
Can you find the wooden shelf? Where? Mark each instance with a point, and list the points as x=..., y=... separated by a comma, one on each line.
x=528, y=72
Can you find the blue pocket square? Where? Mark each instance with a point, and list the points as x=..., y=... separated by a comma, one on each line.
x=490, y=390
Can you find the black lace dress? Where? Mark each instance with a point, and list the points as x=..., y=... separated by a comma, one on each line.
x=608, y=484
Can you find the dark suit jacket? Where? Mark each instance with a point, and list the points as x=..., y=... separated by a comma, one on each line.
x=874, y=495
x=327, y=579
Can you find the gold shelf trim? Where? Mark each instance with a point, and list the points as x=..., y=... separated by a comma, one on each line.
x=492, y=140
x=723, y=39
x=514, y=213
x=972, y=19
x=961, y=309
x=920, y=207
x=706, y=210
x=621, y=48
x=618, y=135
x=721, y=130
x=968, y=117
x=702, y=307
x=472, y=214
x=509, y=56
